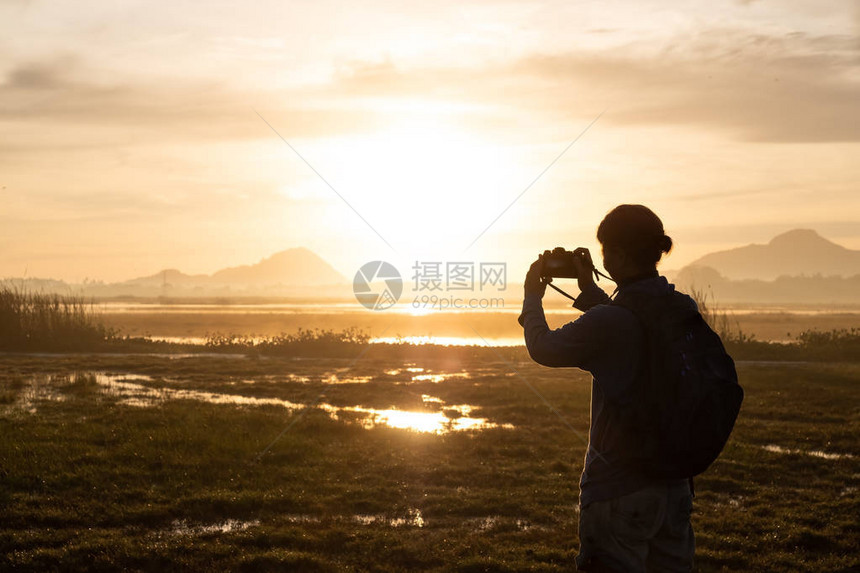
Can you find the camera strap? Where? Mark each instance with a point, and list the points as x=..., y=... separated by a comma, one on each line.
x=561, y=291
x=597, y=275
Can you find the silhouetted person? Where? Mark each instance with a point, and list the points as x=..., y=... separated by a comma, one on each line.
x=628, y=521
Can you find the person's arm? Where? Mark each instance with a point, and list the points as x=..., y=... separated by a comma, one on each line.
x=574, y=344
x=571, y=345
x=590, y=296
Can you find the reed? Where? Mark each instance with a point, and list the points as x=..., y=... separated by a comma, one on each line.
x=35, y=321
x=718, y=319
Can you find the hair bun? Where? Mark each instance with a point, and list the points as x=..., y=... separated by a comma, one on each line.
x=636, y=230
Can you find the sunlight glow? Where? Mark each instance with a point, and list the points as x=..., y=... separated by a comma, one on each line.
x=423, y=182
x=430, y=422
x=420, y=311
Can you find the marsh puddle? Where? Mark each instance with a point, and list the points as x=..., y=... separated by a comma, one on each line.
x=131, y=390
x=497, y=522
x=450, y=419
x=196, y=340
x=412, y=519
x=773, y=448
x=424, y=340
x=39, y=389
x=334, y=378
x=436, y=378
x=183, y=528
x=728, y=500
x=421, y=375
x=415, y=340
x=131, y=393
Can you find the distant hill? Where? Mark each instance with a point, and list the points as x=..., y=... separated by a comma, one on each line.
x=789, y=290
x=168, y=277
x=795, y=253
x=294, y=273
x=291, y=268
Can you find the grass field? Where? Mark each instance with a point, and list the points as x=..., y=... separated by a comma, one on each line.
x=152, y=462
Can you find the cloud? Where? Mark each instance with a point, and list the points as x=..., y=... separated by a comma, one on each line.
x=58, y=93
x=754, y=87
x=765, y=88
x=790, y=89
x=38, y=76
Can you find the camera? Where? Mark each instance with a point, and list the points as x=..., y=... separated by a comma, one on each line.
x=559, y=263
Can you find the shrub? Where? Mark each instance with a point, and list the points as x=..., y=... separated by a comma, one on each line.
x=345, y=343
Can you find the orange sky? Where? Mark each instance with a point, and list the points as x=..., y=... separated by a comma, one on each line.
x=130, y=139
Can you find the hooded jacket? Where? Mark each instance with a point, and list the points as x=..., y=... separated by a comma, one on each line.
x=609, y=342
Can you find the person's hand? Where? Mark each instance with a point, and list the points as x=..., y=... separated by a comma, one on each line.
x=534, y=284
x=584, y=268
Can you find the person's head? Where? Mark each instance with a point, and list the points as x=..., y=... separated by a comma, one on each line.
x=633, y=241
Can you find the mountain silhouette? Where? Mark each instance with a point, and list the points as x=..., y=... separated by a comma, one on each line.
x=795, y=253
x=293, y=267
x=169, y=277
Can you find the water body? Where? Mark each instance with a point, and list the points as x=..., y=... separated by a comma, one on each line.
x=192, y=322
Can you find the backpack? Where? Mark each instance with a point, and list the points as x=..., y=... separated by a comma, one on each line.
x=687, y=399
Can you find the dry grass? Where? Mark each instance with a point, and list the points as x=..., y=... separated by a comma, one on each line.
x=31, y=321
x=720, y=320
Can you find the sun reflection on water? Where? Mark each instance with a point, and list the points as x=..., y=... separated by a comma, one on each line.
x=428, y=422
x=440, y=377
x=130, y=390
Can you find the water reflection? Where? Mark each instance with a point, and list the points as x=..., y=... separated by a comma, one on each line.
x=449, y=418
x=38, y=389
x=450, y=340
x=419, y=340
x=430, y=422
x=440, y=377
x=814, y=453
x=421, y=375
x=132, y=390
x=413, y=518
x=497, y=521
x=183, y=528
x=727, y=500
x=335, y=379
x=196, y=340
x=133, y=394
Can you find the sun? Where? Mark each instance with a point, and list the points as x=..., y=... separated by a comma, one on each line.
x=424, y=183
